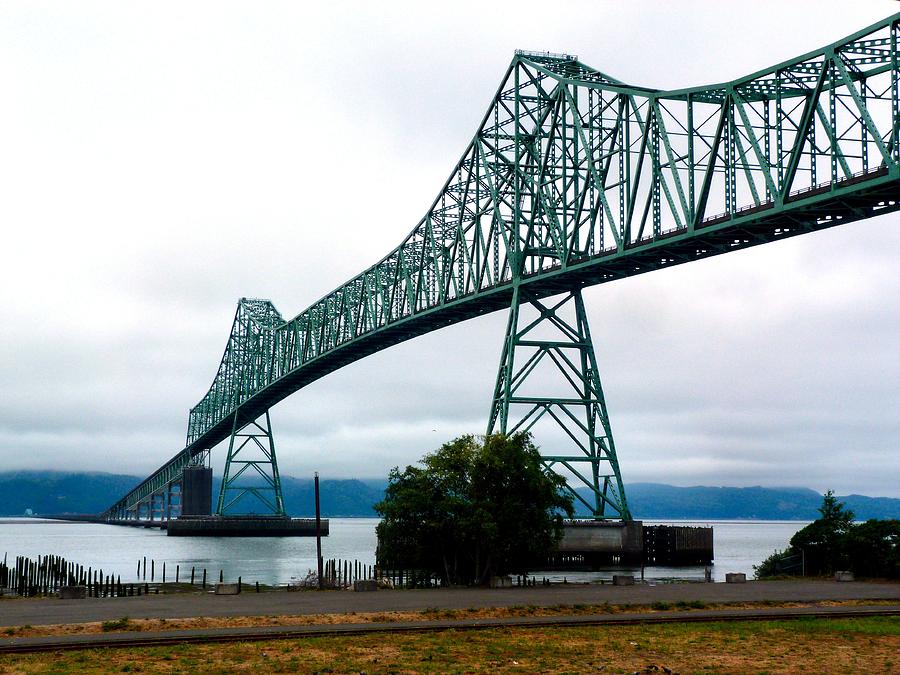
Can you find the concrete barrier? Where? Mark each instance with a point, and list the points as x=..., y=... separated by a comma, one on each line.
x=501, y=582
x=227, y=589
x=623, y=580
x=843, y=575
x=735, y=578
x=366, y=585
x=73, y=592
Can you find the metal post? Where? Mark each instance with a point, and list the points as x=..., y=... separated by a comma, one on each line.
x=318, y=532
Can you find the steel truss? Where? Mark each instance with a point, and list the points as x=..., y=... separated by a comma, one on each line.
x=579, y=409
x=251, y=451
x=574, y=178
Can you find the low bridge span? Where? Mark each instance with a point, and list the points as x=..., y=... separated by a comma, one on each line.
x=574, y=178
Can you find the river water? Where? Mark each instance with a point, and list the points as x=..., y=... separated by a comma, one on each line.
x=276, y=560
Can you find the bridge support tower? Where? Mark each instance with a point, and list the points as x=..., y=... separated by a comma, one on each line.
x=251, y=468
x=548, y=344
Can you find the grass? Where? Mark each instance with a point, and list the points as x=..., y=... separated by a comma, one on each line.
x=428, y=614
x=123, y=623
x=810, y=645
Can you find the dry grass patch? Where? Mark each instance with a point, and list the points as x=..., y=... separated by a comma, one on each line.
x=809, y=645
x=126, y=624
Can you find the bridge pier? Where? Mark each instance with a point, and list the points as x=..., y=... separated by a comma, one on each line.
x=591, y=545
x=196, y=491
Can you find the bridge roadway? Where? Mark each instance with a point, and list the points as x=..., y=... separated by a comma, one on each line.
x=574, y=179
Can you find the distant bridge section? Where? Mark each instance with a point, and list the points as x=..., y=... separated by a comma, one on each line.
x=574, y=178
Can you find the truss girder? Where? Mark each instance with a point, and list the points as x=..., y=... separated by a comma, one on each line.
x=574, y=178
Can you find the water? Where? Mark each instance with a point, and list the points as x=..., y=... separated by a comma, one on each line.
x=275, y=560
x=116, y=549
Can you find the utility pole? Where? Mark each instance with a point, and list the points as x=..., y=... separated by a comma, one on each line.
x=318, y=533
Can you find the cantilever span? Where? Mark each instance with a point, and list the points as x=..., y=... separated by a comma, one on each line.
x=574, y=178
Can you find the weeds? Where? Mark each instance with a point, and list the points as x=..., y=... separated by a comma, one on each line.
x=123, y=623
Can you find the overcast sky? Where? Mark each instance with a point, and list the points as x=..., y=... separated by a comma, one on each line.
x=160, y=160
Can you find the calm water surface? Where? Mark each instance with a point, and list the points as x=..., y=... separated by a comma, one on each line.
x=275, y=560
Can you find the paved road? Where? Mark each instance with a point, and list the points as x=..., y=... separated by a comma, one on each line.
x=40, y=611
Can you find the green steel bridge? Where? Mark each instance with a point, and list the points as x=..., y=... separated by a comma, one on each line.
x=572, y=178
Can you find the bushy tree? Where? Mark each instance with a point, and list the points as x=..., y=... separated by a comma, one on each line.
x=834, y=541
x=475, y=508
x=777, y=564
x=873, y=548
x=822, y=541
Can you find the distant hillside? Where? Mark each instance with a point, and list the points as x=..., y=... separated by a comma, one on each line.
x=57, y=492
x=658, y=501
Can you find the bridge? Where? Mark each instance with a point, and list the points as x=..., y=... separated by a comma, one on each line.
x=573, y=178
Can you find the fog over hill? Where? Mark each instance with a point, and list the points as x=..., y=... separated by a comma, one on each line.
x=47, y=492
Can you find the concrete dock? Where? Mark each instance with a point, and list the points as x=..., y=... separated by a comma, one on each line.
x=244, y=526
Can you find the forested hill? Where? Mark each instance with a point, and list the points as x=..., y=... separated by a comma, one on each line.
x=55, y=492
x=655, y=500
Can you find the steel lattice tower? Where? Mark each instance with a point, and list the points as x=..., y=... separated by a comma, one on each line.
x=578, y=408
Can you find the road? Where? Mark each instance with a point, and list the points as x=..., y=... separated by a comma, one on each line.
x=43, y=611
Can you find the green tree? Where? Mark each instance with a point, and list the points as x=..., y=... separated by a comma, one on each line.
x=476, y=507
x=834, y=541
x=873, y=548
x=823, y=541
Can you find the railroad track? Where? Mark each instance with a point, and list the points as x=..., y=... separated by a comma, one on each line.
x=259, y=633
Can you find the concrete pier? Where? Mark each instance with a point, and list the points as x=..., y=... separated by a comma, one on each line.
x=589, y=544
x=244, y=526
